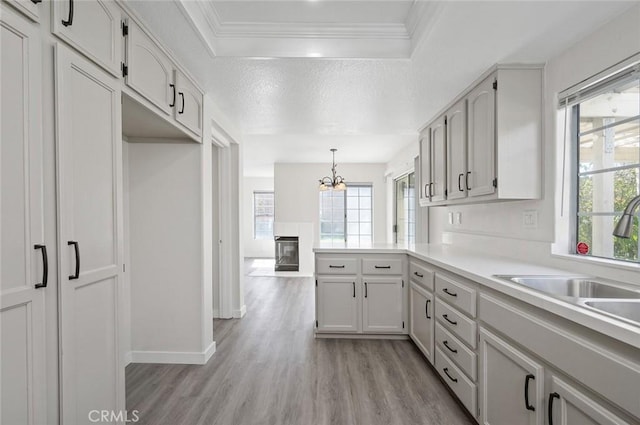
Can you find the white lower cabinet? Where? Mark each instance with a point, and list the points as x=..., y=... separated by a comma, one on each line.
x=382, y=305
x=568, y=405
x=23, y=255
x=337, y=304
x=511, y=384
x=421, y=321
x=90, y=244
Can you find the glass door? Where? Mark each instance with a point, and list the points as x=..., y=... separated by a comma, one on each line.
x=405, y=212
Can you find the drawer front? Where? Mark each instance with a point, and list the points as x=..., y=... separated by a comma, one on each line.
x=383, y=266
x=456, y=323
x=466, y=390
x=457, y=294
x=421, y=275
x=336, y=265
x=459, y=353
x=615, y=377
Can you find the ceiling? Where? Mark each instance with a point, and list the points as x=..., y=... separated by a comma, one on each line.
x=299, y=77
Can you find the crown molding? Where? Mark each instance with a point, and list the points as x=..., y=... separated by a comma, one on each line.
x=302, y=30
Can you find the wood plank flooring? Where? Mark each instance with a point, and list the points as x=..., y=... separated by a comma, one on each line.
x=268, y=369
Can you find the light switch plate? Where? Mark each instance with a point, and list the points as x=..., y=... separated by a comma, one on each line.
x=458, y=218
x=530, y=219
x=451, y=218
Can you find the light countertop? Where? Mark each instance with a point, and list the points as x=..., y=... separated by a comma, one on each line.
x=481, y=268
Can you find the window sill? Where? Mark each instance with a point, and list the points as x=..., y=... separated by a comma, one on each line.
x=604, y=262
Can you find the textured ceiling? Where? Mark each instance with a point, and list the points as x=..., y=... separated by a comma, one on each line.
x=294, y=110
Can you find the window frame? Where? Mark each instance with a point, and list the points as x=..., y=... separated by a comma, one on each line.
x=571, y=105
x=255, y=215
x=345, y=221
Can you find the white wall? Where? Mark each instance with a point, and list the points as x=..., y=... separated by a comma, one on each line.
x=255, y=248
x=297, y=198
x=165, y=247
x=497, y=227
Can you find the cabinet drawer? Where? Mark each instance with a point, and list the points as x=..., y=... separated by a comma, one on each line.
x=457, y=294
x=336, y=265
x=457, y=351
x=421, y=275
x=461, y=385
x=456, y=323
x=382, y=266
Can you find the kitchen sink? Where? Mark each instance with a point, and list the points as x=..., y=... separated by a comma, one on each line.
x=575, y=287
x=626, y=309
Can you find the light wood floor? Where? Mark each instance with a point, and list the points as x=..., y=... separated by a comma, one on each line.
x=268, y=369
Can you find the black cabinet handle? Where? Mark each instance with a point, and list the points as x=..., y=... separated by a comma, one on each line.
x=36, y=1
x=331, y=266
x=366, y=291
x=460, y=189
x=446, y=317
x=181, y=111
x=45, y=266
x=466, y=180
x=418, y=274
x=426, y=309
x=426, y=194
x=382, y=267
x=552, y=396
x=354, y=289
x=69, y=21
x=446, y=372
x=430, y=191
x=173, y=101
x=77, y=249
x=446, y=291
x=446, y=344
x=526, y=392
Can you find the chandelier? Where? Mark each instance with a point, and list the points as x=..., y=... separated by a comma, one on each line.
x=335, y=183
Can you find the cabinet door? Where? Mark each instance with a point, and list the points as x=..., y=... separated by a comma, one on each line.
x=457, y=150
x=482, y=141
x=29, y=8
x=89, y=164
x=22, y=309
x=421, y=323
x=425, y=166
x=92, y=27
x=382, y=305
x=439, y=160
x=188, y=109
x=511, y=384
x=337, y=304
x=567, y=405
x=150, y=70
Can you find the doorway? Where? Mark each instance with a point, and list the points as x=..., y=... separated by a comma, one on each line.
x=405, y=209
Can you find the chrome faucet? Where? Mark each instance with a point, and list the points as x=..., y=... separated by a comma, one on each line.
x=623, y=228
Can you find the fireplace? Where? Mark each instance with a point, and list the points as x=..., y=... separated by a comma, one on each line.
x=287, y=259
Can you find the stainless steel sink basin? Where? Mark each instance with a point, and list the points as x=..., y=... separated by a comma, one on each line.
x=629, y=310
x=574, y=287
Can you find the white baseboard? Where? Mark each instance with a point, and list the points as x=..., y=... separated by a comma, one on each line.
x=174, y=357
x=128, y=359
x=239, y=314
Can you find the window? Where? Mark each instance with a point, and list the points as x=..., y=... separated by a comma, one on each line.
x=606, y=130
x=263, y=215
x=405, y=227
x=347, y=215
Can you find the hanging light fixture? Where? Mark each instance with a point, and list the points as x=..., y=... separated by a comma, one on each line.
x=336, y=182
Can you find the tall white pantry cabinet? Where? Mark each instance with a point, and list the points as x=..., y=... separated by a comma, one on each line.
x=62, y=262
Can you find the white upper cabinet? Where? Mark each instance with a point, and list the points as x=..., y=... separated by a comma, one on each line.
x=493, y=137
x=30, y=8
x=481, y=170
x=433, y=166
x=425, y=166
x=188, y=104
x=93, y=28
x=150, y=71
x=457, y=150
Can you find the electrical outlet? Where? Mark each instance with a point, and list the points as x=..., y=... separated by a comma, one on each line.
x=530, y=219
